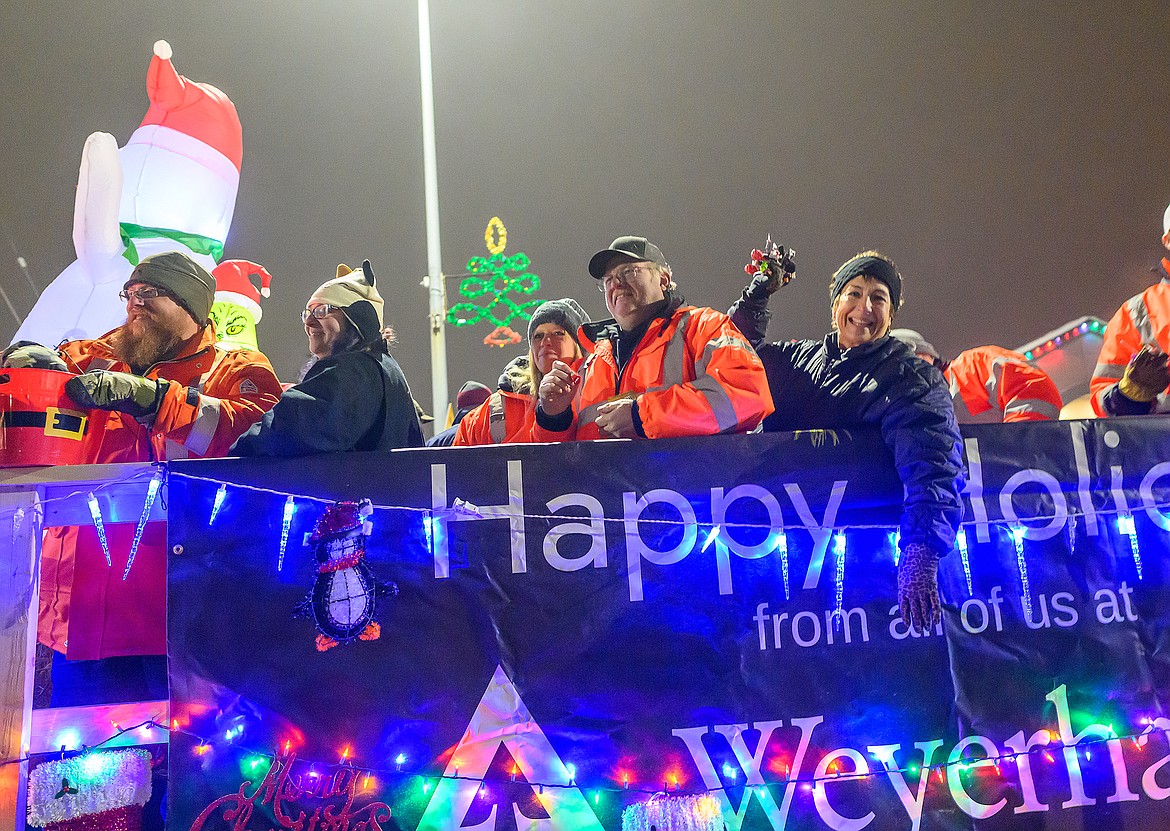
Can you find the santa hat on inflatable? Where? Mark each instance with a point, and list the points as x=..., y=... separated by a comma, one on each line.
x=234, y=284
x=200, y=110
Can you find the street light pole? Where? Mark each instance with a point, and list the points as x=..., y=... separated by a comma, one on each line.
x=434, y=278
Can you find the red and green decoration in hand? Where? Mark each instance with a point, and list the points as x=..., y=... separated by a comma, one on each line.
x=493, y=279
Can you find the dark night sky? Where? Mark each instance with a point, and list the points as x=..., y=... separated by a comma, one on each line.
x=1013, y=163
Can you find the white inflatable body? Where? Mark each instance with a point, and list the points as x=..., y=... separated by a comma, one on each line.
x=168, y=189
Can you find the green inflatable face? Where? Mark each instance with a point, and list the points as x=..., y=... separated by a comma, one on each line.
x=234, y=326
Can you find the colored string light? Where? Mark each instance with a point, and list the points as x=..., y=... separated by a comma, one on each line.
x=289, y=509
x=1125, y=525
x=1022, y=565
x=220, y=496
x=961, y=542
x=95, y=512
x=151, y=493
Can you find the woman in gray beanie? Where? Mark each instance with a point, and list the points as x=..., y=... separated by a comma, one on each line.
x=509, y=414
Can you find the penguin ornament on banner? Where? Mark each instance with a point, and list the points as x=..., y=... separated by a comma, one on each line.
x=171, y=188
x=236, y=309
x=343, y=600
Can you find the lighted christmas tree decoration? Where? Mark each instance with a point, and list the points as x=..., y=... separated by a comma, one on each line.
x=1125, y=525
x=961, y=542
x=290, y=508
x=151, y=492
x=1022, y=565
x=104, y=789
x=493, y=279
x=220, y=496
x=95, y=513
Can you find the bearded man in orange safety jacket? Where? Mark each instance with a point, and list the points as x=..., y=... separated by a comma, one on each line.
x=1132, y=376
x=990, y=384
x=659, y=368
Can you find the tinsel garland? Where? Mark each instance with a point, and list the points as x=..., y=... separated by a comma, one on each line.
x=674, y=813
x=86, y=785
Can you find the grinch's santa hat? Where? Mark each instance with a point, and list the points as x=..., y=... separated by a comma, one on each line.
x=234, y=284
x=200, y=110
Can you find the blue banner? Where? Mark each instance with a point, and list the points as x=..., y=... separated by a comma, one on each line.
x=680, y=634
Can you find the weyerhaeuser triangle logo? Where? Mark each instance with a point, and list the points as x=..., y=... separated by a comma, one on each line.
x=501, y=718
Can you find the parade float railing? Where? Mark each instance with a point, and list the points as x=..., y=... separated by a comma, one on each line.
x=683, y=633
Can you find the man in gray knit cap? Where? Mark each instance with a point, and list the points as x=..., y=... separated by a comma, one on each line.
x=158, y=387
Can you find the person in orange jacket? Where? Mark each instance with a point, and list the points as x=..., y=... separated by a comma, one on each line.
x=659, y=367
x=1132, y=376
x=509, y=414
x=158, y=387
x=990, y=384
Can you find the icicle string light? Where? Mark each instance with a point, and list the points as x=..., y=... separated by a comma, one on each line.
x=839, y=579
x=220, y=496
x=961, y=542
x=95, y=512
x=1125, y=525
x=151, y=493
x=896, y=544
x=290, y=508
x=782, y=549
x=1022, y=565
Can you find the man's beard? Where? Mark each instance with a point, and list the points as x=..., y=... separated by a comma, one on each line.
x=144, y=342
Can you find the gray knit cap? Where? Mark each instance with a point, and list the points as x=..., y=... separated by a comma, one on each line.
x=565, y=312
x=191, y=284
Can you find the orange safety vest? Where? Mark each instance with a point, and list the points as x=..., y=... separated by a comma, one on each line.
x=990, y=384
x=505, y=418
x=694, y=374
x=1143, y=320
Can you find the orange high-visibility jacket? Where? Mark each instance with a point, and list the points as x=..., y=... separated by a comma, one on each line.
x=1144, y=319
x=505, y=418
x=991, y=384
x=693, y=372
x=87, y=610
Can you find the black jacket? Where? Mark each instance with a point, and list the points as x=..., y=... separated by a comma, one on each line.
x=817, y=385
x=352, y=401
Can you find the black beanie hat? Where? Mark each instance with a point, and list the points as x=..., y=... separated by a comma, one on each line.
x=191, y=284
x=872, y=264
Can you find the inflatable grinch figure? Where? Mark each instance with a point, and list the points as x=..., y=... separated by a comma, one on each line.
x=171, y=188
x=236, y=309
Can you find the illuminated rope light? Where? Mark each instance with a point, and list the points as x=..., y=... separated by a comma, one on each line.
x=1126, y=526
x=290, y=508
x=961, y=542
x=1022, y=565
x=95, y=512
x=151, y=493
x=220, y=496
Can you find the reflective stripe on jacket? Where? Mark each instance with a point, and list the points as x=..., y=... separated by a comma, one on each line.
x=1143, y=320
x=991, y=384
x=505, y=418
x=693, y=372
x=86, y=609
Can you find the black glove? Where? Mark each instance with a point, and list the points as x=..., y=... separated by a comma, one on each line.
x=101, y=389
x=918, y=598
x=1146, y=376
x=25, y=354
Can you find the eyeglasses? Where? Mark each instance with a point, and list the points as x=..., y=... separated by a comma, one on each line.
x=145, y=293
x=624, y=275
x=320, y=312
